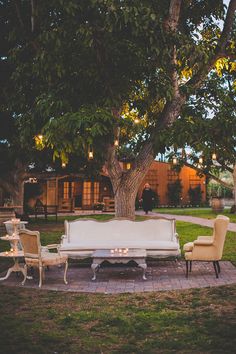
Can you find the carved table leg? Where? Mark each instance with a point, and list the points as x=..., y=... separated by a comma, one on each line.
x=15, y=268
x=144, y=267
x=94, y=268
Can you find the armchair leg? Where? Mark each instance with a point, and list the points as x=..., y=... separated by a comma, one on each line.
x=25, y=274
x=65, y=272
x=218, y=266
x=40, y=276
x=216, y=270
x=186, y=268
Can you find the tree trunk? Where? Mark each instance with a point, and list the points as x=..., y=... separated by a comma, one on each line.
x=125, y=183
x=13, y=185
x=234, y=179
x=125, y=202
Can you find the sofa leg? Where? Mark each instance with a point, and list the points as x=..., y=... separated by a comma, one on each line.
x=190, y=269
x=218, y=266
x=186, y=268
x=215, y=267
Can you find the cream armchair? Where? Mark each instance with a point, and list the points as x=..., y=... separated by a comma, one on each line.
x=208, y=248
x=38, y=256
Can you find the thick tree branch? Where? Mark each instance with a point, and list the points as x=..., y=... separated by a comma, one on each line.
x=172, y=108
x=220, y=51
x=18, y=13
x=170, y=24
x=209, y=174
x=225, y=35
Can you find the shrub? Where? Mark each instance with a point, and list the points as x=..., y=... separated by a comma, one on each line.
x=195, y=195
x=174, y=192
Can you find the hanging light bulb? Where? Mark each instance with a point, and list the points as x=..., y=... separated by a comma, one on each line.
x=128, y=166
x=174, y=160
x=116, y=142
x=90, y=153
x=63, y=165
x=200, y=160
x=136, y=120
x=213, y=156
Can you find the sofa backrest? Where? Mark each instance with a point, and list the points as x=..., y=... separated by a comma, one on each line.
x=89, y=233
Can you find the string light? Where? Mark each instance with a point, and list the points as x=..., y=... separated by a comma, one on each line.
x=128, y=166
x=90, y=153
x=63, y=165
x=136, y=120
x=214, y=156
x=174, y=161
x=200, y=160
x=116, y=142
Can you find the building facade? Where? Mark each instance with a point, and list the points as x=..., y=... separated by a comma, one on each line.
x=76, y=192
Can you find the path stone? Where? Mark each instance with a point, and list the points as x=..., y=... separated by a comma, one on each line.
x=188, y=218
x=161, y=275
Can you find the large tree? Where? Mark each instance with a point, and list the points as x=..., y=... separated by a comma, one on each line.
x=204, y=137
x=90, y=69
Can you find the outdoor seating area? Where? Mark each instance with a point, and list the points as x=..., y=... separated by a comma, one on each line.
x=118, y=177
x=102, y=243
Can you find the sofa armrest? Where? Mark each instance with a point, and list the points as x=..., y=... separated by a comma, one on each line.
x=176, y=236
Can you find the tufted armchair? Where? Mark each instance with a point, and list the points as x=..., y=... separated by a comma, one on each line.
x=39, y=257
x=208, y=248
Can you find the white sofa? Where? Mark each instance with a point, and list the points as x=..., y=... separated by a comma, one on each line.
x=157, y=236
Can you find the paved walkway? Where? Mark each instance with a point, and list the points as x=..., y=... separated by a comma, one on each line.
x=187, y=218
x=113, y=279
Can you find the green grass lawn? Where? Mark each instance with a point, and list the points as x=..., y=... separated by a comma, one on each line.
x=205, y=213
x=188, y=321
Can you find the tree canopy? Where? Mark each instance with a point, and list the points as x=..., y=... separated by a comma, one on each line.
x=83, y=73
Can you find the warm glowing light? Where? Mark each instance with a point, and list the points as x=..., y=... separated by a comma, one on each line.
x=213, y=156
x=116, y=142
x=198, y=165
x=136, y=120
x=90, y=155
x=128, y=166
x=200, y=160
x=63, y=165
x=40, y=137
x=174, y=161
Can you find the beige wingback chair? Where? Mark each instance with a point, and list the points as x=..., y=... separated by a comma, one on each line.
x=39, y=257
x=208, y=248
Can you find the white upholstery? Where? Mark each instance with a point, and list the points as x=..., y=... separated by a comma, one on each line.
x=157, y=236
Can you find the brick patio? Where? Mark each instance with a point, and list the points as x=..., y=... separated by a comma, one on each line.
x=161, y=275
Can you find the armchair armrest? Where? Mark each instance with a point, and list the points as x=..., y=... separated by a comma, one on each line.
x=206, y=238
x=203, y=242
x=53, y=246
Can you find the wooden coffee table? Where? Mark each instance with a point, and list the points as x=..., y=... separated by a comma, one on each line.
x=122, y=256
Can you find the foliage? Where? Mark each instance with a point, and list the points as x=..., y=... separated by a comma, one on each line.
x=81, y=73
x=195, y=195
x=174, y=192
